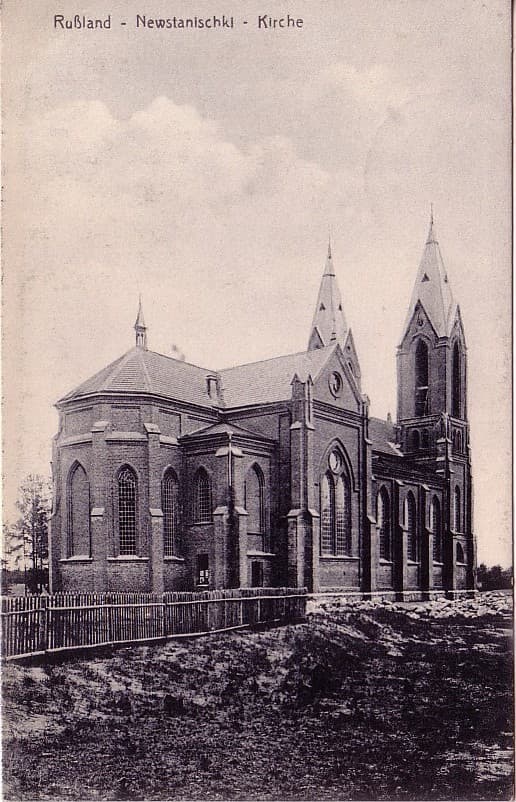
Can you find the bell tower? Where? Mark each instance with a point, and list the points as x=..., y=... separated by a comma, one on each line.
x=433, y=427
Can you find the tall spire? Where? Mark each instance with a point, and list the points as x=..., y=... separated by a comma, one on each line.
x=140, y=327
x=329, y=324
x=432, y=288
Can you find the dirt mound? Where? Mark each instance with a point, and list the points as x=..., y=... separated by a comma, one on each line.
x=363, y=701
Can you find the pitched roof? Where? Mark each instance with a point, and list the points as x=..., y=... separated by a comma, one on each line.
x=142, y=371
x=329, y=323
x=382, y=435
x=226, y=427
x=432, y=288
x=270, y=380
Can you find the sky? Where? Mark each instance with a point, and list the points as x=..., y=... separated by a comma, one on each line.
x=205, y=170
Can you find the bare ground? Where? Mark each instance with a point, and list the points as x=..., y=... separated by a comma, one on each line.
x=370, y=701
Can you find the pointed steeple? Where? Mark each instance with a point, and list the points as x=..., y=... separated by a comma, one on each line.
x=140, y=327
x=329, y=324
x=432, y=288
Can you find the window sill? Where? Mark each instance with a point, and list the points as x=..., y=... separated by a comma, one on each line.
x=384, y=561
x=172, y=558
x=339, y=557
x=77, y=559
x=128, y=558
x=201, y=523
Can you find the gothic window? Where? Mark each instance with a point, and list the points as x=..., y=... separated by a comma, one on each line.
x=127, y=511
x=383, y=519
x=425, y=440
x=202, y=498
x=336, y=508
x=435, y=522
x=255, y=501
x=456, y=382
x=327, y=513
x=411, y=524
x=342, y=515
x=421, y=383
x=78, y=512
x=170, y=506
x=456, y=510
x=415, y=440
x=459, y=553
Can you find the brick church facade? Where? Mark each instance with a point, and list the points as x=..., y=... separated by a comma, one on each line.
x=168, y=476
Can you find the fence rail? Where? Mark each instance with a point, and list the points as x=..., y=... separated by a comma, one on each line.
x=34, y=625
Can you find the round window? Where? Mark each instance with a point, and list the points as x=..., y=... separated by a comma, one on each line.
x=335, y=384
x=335, y=461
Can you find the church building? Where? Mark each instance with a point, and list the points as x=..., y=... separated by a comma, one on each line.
x=168, y=476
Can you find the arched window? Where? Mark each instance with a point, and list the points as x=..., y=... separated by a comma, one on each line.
x=456, y=510
x=78, y=513
x=342, y=515
x=411, y=524
x=202, y=498
x=456, y=382
x=170, y=507
x=459, y=553
x=435, y=520
x=421, y=376
x=127, y=511
x=255, y=501
x=383, y=519
x=425, y=439
x=327, y=514
x=414, y=437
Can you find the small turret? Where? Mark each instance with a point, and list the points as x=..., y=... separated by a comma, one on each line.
x=140, y=328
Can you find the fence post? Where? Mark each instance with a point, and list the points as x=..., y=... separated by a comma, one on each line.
x=42, y=625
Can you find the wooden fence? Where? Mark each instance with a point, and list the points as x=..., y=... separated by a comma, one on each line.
x=34, y=625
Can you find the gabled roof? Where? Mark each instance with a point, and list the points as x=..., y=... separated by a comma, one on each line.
x=142, y=371
x=224, y=428
x=270, y=380
x=383, y=437
x=329, y=323
x=432, y=289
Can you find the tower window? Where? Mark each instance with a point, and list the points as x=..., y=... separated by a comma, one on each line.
x=459, y=553
x=456, y=510
x=425, y=440
x=411, y=524
x=202, y=498
x=414, y=438
x=170, y=506
x=435, y=520
x=421, y=376
x=383, y=519
x=456, y=382
x=127, y=511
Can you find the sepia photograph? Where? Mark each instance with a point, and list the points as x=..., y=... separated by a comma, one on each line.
x=257, y=400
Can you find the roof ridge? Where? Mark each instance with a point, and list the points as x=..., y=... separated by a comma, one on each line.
x=180, y=361
x=145, y=371
x=123, y=362
x=274, y=358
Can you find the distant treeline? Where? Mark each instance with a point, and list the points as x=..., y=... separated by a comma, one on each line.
x=494, y=578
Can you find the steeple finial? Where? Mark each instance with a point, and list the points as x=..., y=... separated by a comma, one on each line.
x=431, y=232
x=140, y=327
x=329, y=244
